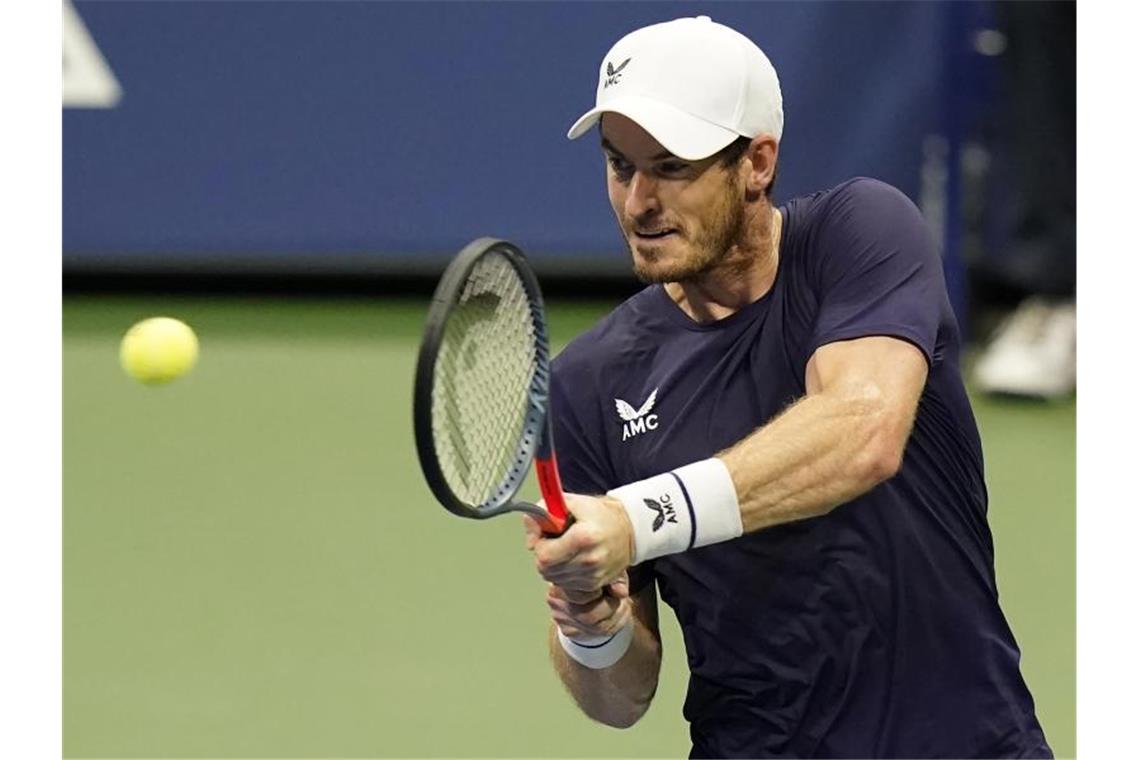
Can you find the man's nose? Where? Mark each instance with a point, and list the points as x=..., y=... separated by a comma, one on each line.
x=642, y=197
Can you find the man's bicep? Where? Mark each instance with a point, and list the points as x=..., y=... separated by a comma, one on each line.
x=886, y=368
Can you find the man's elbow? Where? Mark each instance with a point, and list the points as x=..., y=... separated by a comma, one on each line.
x=883, y=436
x=884, y=464
x=625, y=710
x=881, y=458
x=623, y=718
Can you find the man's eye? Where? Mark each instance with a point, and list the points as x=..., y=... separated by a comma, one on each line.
x=618, y=165
x=672, y=167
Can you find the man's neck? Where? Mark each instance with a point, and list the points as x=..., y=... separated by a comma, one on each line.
x=745, y=276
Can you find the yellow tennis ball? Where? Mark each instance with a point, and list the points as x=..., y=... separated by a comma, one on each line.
x=158, y=350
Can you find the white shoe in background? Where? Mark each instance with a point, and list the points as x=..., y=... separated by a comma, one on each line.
x=1033, y=353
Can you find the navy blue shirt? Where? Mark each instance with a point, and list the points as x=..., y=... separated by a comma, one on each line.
x=873, y=630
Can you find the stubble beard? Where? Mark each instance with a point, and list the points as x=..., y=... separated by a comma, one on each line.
x=710, y=252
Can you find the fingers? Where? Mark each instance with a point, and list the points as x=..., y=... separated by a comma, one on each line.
x=549, y=550
x=552, y=555
x=576, y=628
x=586, y=572
x=589, y=591
x=580, y=597
x=560, y=550
x=532, y=530
x=602, y=616
x=593, y=552
x=561, y=561
x=620, y=586
x=618, y=589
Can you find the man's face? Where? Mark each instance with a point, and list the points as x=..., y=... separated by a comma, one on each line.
x=679, y=217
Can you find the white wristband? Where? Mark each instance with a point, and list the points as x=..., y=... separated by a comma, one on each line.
x=597, y=653
x=691, y=506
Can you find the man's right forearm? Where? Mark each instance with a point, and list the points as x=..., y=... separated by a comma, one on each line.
x=620, y=694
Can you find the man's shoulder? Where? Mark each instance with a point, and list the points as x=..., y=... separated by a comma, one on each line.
x=859, y=217
x=857, y=193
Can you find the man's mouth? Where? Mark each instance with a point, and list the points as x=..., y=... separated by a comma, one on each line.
x=654, y=234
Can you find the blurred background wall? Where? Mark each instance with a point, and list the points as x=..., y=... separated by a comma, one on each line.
x=376, y=138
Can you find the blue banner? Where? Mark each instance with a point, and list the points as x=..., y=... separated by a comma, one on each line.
x=333, y=134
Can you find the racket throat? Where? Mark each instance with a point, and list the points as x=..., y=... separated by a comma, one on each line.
x=550, y=484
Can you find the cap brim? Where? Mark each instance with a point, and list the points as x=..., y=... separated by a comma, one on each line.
x=680, y=133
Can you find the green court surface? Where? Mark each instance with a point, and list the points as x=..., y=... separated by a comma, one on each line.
x=253, y=566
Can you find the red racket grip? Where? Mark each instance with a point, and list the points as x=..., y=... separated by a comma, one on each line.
x=550, y=484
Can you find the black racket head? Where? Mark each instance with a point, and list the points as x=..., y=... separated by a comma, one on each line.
x=482, y=381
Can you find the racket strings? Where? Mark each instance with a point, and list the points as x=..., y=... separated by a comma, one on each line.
x=483, y=376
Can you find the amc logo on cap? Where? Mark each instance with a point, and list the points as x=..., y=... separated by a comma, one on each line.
x=613, y=76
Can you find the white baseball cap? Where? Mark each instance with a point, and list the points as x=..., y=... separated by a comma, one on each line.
x=694, y=84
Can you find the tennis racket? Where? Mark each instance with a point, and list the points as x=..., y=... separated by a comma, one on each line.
x=482, y=393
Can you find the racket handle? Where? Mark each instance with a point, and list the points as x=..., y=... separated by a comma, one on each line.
x=550, y=484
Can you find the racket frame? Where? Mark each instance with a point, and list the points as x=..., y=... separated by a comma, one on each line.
x=536, y=442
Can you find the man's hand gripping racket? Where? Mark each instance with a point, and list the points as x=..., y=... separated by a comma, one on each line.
x=482, y=389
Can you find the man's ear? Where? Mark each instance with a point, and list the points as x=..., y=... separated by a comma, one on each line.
x=760, y=161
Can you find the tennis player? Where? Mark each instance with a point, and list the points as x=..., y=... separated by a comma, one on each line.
x=778, y=442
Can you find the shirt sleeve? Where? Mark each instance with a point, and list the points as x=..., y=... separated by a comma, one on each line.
x=879, y=272
x=581, y=462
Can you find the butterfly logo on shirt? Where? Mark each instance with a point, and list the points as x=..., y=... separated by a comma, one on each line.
x=636, y=421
